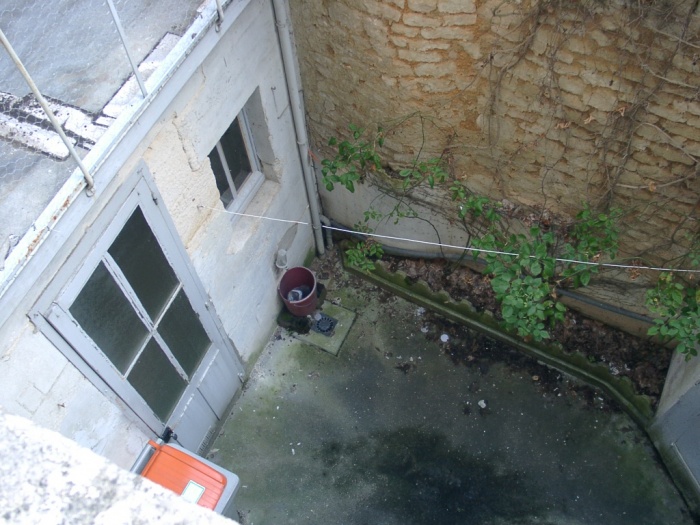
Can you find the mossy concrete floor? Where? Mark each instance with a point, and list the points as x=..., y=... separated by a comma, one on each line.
x=392, y=432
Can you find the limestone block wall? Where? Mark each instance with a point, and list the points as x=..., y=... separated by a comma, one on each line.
x=543, y=103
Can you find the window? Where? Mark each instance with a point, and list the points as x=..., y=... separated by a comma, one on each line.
x=234, y=163
x=134, y=308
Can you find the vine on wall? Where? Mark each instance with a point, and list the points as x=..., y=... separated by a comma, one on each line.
x=527, y=260
x=601, y=147
x=654, y=39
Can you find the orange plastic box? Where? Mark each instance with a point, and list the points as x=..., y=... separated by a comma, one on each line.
x=193, y=477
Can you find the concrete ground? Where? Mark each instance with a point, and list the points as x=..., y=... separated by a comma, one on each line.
x=391, y=431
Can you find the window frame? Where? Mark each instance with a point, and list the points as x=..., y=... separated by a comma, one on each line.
x=241, y=197
x=50, y=313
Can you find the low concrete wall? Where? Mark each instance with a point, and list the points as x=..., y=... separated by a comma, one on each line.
x=48, y=479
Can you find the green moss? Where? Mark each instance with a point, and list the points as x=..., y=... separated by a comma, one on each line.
x=621, y=389
x=310, y=256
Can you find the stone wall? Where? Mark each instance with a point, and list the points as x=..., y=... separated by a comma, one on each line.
x=49, y=479
x=543, y=103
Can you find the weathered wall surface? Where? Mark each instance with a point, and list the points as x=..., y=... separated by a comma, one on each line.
x=545, y=104
x=234, y=258
x=49, y=479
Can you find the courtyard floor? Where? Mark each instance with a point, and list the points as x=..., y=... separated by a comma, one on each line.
x=392, y=431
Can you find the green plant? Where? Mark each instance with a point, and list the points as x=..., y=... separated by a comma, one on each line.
x=431, y=170
x=363, y=254
x=678, y=308
x=523, y=282
x=592, y=236
x=357, y=156
x=526, y=268
x=352, y=160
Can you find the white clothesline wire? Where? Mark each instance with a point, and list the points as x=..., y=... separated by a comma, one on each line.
x=451, y=246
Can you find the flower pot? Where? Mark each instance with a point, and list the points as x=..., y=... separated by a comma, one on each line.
x=298, y=291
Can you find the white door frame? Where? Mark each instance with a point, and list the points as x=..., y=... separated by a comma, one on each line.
x=52, y=316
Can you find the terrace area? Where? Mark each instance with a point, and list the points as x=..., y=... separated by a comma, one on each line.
x=405, y=425
x=82, y=61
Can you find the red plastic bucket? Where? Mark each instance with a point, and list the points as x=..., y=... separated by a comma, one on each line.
x=298, y=291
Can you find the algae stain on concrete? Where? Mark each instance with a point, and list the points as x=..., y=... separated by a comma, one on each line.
x=424, y=479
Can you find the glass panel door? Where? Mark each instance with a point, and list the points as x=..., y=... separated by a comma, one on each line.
x=140, y=258
x=106, y=315
x=135, y=310
x=182, y=331
x=155, y=379
x=128, y=310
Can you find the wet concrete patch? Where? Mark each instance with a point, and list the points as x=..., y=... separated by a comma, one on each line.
x=394, y=431
x=429, y=480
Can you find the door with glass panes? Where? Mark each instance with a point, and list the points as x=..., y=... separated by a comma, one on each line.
x=136, y=315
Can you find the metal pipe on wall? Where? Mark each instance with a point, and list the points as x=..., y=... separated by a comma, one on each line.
x=291, y=71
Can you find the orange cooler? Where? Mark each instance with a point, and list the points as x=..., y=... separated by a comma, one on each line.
x=193, y=477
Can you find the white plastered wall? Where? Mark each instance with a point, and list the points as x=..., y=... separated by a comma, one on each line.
x=39, y=383
x=234, y=257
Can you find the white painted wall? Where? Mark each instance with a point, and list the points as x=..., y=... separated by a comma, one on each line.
x=40, y=384
x=233, y=256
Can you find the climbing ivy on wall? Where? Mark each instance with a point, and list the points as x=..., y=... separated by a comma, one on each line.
x=676, y=302
x=610, y=149
x=527, y=260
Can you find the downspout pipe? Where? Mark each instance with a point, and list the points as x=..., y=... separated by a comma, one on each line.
x=291, y=72
x=325, y=221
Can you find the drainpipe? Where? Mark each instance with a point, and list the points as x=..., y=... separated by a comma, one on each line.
x=291, y=72
x=329, y=233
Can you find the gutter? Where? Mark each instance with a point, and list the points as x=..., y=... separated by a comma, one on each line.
x=291, y=73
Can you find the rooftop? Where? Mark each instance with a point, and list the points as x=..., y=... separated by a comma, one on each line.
x=79, y=62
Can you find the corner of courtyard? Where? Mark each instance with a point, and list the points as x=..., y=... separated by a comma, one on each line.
x=391, y=430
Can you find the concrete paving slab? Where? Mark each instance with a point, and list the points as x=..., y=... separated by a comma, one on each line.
x=392, y=431
x=333, y=342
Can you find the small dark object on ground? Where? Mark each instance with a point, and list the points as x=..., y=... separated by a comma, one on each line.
x=405, y=367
